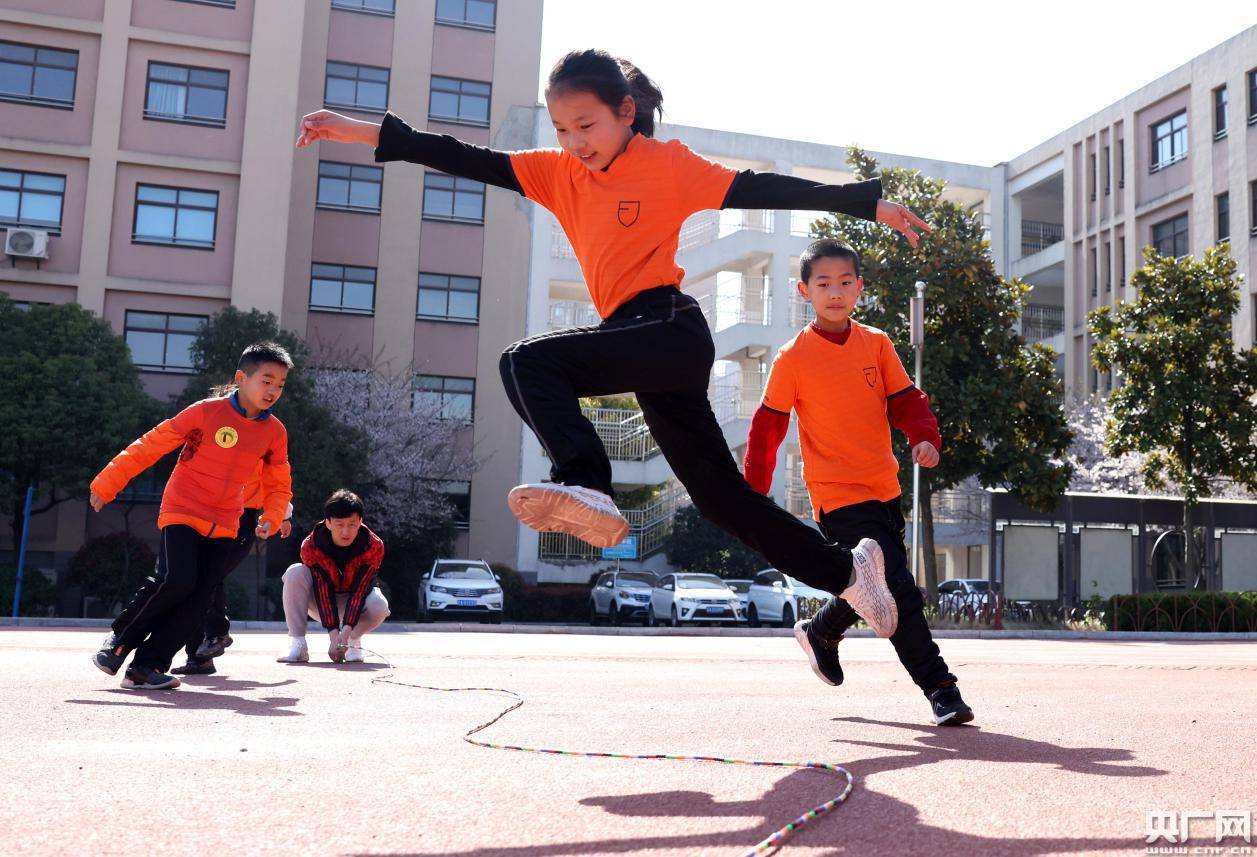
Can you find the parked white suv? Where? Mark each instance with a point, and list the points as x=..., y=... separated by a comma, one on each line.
x=775, y=596
x=621, y=595
x=463, y=587
x=681, y=598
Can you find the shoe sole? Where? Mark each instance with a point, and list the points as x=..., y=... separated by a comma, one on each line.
x=127, y=684
x=304, y=660
x=549, y=511
x=954, y=718
x=106, y=670
x=217, y=652
x=869, y=596
x=178, y=671
x=800, y=636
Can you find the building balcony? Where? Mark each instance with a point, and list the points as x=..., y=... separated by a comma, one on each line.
x=564, y=314
x=730, y=299
x=1037, y=236
x=1040, y=322
x=651, y=524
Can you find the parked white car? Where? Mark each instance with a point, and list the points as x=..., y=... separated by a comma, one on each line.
x=621, y=595
x=681, y=598
x=975, y=593
x=460, y=587
x=743, y=589
x=774, y=598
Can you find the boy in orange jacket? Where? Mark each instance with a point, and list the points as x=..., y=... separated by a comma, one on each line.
x=223, y=440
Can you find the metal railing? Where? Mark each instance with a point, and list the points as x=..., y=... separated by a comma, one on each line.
x=560, y=247
x=798, y=502
x=726, y=302
x=736, y=396
x=623, y=433
x=1037, y=235
x=571, y=314
x=801, y=311
x=1040, y=321
x=651, y=524
x=960, y=507
x=708, y=226
x=801, y=222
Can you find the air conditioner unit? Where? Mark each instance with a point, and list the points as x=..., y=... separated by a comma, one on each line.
x=29, y=243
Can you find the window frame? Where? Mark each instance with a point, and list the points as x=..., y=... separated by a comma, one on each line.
x=448, y=290
x=221, y=4
x=186, y=118
x=21, y=191
x=344, y=269
x=1252, y=206
x=154, y=241
x=33, y=99
x=460, y=120
x=164, y=368
x=1251, y=77
x=454, y=190
x=1185, y=232
x=1222, y=217
x=356, y=106
x=1221, y=112
x=463, y=22
x=443, y=392
x=1156, y=166
x=461, y=520
x=355, y=209
x=361, y=9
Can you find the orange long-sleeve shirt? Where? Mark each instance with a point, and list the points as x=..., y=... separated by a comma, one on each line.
x=222, y=449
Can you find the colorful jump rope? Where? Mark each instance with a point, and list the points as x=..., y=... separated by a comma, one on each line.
x=772, y=842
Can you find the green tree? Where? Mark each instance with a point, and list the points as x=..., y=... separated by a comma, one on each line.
x=325, y=454
x=1186, y=399
x=998, y=401
x=696, y=544
x=70, y=399
x=111, y=568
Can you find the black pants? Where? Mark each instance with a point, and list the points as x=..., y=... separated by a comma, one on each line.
x=216, y=622
x=883, y=522
x=657, y=345
x=158, y=619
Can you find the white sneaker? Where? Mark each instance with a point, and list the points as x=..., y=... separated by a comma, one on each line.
x=298, y=652
x=867, y=593
x=354, y=654
x=587, y=514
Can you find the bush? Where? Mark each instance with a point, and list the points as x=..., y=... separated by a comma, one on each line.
x=110, y=568
x=1184, y=611
x=512, y=581
x=549, y=602
x=39, y=594
x=237, y=600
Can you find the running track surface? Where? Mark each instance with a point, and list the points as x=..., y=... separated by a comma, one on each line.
x=1074, y=743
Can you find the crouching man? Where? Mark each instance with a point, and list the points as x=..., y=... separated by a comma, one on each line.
x=335, y=583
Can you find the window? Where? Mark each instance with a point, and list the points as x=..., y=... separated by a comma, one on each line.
x=1121, y=262
x=226, y=4
x=171, y=215
x=449, y=298
x=1219, y=113
x=1093, y=273
x=358, y=87
x=1252, y=205
x=370, y=7
x=459, y=495
x=1169, y=141
x=477, y=14
x=342, y=288
x=1108, y=173
x=1108, y=266
x=1223, y=212
x=162, y=342
x=349, y=186
x=449, y=198
x=1252, y=97
x=1091, y=176
x=146, y=488
x=34, y=75
x=33, y=200
x=179, y=93
x=1121, y=163
x=450, y=398
x=456, y=100
x=1169, y=237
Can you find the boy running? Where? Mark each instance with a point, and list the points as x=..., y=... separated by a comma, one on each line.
x=844, y=380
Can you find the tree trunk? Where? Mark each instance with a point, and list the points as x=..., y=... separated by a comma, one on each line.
x=1192, y=558
x=927, y=543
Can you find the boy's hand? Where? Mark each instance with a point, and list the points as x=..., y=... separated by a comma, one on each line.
x=335, y=650
x=925, y=454
x=263, y=530
x=900, y=219
x=329, y=125
x=96, y=502
x=285, y=528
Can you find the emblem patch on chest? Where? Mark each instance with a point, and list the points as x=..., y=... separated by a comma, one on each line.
x=226, y=437
x=628, y=211
x=870, y=375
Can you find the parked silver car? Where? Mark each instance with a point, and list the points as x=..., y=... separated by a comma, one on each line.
x=618, y=596
x=743, y=589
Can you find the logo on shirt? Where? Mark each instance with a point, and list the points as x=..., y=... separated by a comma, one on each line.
x=227, y=436
x=628, y=211
x=870, y=375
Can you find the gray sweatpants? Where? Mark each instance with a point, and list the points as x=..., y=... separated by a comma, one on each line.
x=300, y=604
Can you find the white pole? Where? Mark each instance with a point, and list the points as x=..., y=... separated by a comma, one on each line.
x=917, y=340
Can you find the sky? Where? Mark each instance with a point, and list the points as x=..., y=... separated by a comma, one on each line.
x=968, y=80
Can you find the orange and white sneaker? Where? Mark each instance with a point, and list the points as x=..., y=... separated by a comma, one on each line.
x=587, y=514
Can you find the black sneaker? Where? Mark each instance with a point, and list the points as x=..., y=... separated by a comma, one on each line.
x=213, y=647
x=823, y=654
x=147, y=678
x=112, y=655
x=949, y=708
x=196, y=666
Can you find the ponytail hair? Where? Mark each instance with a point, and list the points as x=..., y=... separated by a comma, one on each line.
x=610, y=79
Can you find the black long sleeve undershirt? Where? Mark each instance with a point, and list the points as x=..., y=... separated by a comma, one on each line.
x=400, y=142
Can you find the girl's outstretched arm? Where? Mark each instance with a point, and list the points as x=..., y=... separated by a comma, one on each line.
x=394, y=140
